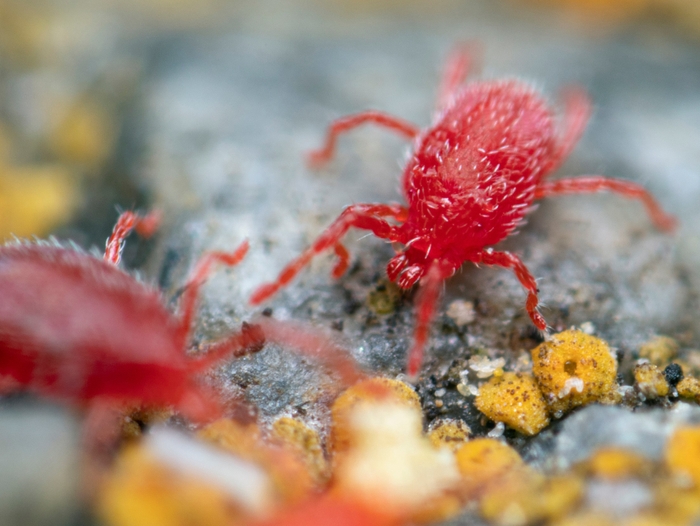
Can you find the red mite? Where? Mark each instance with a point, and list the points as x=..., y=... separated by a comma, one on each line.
x=473, y=177
x=75, y=327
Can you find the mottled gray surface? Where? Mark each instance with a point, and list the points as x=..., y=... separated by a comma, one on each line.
x=39, y=464
x=229, y=118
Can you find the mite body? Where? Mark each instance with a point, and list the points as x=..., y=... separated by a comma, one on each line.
x=473, y=177
x=77, y=328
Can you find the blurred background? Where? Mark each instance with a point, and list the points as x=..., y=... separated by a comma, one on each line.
x=203, y=109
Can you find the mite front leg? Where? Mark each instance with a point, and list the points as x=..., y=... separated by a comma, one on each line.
x=128, y=221
x=598, y=183
x=513, y=262
x=321, y=156
x=367, y=217
x=426, y=301
x=199, y=275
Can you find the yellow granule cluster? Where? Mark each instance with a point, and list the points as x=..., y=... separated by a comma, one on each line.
x=574, y=369
x=660, y=350
x=683, y=454
x=142, y=492
x=306, y=444
x=650, y=381
x=527, y=497
x=689, y=387
x=484, y=461
x=615, y=463
x=370, y=390
x=289, y=474
x=516, y=400
x=449, y=433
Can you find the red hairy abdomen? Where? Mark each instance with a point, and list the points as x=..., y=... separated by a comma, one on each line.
x=68, y=321
x=474, y=173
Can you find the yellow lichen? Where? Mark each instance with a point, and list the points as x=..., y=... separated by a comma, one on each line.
x=516, y=400
x=484, y=461
x=292, y=479
x=140, y=491
x=84, y=132
x=449, y=433
x=689, y=387
x=616, y=463
x=35, y=199
x=370, y=390
x=527, y=497
x=683, y=454
x=660, y=350
x=391, y=465
x=586, y=518
x=574, y=369
x=650, y=381
x=305, y=443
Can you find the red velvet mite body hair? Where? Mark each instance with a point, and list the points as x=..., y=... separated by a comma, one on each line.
x=473, y=177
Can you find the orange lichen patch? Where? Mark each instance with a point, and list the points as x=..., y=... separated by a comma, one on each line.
x=586, y=518
x=677, y=505
x=650, y=381
x=616, y=463
x=528, y=497
x=83, y=134
x=683, y=454
x=660, y=350
x=573, y=369
x=34, y=200
x=290, y=476
x=484, y=461
x=689, y=387
x=142, y=491
x=391, y=465
x=449, y=433
x=306, y=444
x=370, y=390
x=516, y=400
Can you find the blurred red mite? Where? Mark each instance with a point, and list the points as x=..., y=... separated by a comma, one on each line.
x=77, y=328
x=473, y=177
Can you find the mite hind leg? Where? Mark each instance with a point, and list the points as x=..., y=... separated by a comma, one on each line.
x=199, y=275
x=317, y=158
x=363, y=216
x=576, y=114
x=598, y=183
x=460, y=62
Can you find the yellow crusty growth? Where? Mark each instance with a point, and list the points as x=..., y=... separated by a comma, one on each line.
x=305, y=443
x=573, y=369
x=516, y=400
x=683, y=454
x=484, y=461
x=689, y=387
x=651, y=381
x=616, y=463
x=449, y=433
x=371, y=390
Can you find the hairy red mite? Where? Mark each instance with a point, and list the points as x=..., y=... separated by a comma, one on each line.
x=472, y=178
x=75, y=327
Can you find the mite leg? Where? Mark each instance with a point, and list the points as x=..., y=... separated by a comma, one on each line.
x=513, y=262
x=576, y=115
x=321, y=156
x=367, y=217
x=128, y=221
x=598, y=183
x=307, y=341
x=249, y=340
x=459, y=63
x=426, y=301
x=201, y=272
